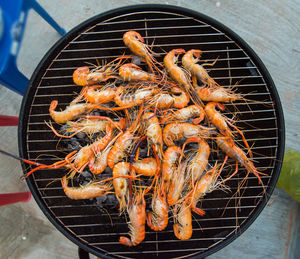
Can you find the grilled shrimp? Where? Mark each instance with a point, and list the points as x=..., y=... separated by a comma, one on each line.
x=88, y=191
x=182, y=227
x=80, y=76
x=83, y=76
x=135, y=42
x=175, y=131
x=132, y=72
x=189, y=61
x=175, y=72
x=124, y=142
x=184, y=114
x=70, y=113
x=137, y=215
x=157, y=220
x=98, y=163
x=169, y=164
x=119, y=149
x=206, y=184
x=226, y=144
x=221, y=122
x=121, y=184
x=85, y=154
x=216, y=94
x=124, y=98
x=83, y=157
x=199, y=162
x=179, y=75
x=178, y=99
x=99, y=96
x=89, y=125
x=217, y=119
x=177, y=184
x=153, y=132
x=147, y=166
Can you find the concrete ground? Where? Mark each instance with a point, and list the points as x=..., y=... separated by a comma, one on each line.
x=271, y=28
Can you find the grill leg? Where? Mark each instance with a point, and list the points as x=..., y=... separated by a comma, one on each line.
x=82, y=254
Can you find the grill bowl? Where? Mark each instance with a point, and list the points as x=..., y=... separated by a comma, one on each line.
x=167, y=27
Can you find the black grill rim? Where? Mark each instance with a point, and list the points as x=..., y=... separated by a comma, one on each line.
x=55, y=50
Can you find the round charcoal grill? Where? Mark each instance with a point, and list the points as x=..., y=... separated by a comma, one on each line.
x=99, y=39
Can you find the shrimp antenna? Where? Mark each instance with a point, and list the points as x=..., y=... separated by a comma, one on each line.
x=19, y=158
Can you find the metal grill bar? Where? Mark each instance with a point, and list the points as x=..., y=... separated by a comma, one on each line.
x=82, y=50
x=149, y=37
x=123, y=48
x=152, y=29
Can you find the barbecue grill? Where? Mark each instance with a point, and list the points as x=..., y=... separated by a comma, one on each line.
x=99, y=39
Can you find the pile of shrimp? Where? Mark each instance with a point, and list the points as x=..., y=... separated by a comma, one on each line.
x=151, y=128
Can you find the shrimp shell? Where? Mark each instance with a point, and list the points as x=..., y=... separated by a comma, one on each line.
x=182, y=227
x=147, y=166
x=88, y=191
x=70, y=113
x=99, y=96
x=118, y=150
x=153, y=132
x=175, y=131
x=157, y=220
x=189, y=62
x=171, y=157
x=137, y=216
x=121, y=184
x=216, y=94
x=132, y=72
x=184, y=114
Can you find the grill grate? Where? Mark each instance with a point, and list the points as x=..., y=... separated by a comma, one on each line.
x=101, y=40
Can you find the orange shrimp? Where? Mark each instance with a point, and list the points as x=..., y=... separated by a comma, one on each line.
x=189, y=61
x=175, y=131
x=182, y=227
x=175, y=72
x=170, y=159
x=71, y=112
x=124, y=98
x=147, y=166
x=220, y=122
x=199, y=162
x=84, y=155
x=177, y=184
x=83, y=76
x=216, y=94
x=118, y=151
x=179, y=75
x=137, y=216
x=135, y=42
x=121, y=184
x=132, y=72
x=217, y=119
x=206, y=184
x=157, y=220
x=98, y=163
x=153, y=132
x=124, y=142
x=99, y=96
x=178, y=99
x=89, y=124
x=226, y=144
x=80, y=76
x=184, y=114
x=88, y=191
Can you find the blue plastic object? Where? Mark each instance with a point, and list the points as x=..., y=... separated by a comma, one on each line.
x=14, y=15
